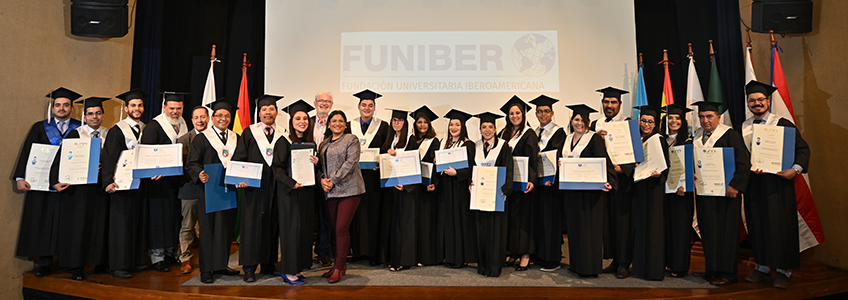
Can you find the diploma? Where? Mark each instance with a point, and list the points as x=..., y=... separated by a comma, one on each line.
x=247, y=172
x=79, y=161
x=40, y=160
x=456, y=158
x=714, y=167
x=486, y=192
x=520, y=173
x=302, y=169
x=368, y=158
x=403, y=168
x=124, y=170
x=680, y=172
x=654, y=159
x=155, y=160
x=547, y=166
x=623, y=142
x=426, y=172
x=772, y=148
x=582, y=173
x=218, y=195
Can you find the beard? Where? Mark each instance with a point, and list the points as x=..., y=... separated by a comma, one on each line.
x=173, y=121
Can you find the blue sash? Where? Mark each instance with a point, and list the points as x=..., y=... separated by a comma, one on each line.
x=53, y=131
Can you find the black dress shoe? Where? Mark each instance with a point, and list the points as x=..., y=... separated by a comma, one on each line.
x=267, y=269
x=455, y=266
x=42, y=271
x=206, y=277
x=227, y=272
x=172, y=261
x=781, y=281
x=78, y=274
x=622, y=273
x=250, y=277
x=161, y=266
x=511, y=262
x=612, y=268
x=120, y=274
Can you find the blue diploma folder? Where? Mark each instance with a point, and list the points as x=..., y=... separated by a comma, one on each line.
x=94, y=161
x=219, y=196
x=689, y=161
x=636, y=138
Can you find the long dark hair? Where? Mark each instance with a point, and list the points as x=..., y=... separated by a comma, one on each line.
x=506, y=134
x=585, y=120
x=463, y=134
x=401, y=138
x=653, y=131
x=430, y=132
x=682, y=133
x=328, y=134
x=307, y=135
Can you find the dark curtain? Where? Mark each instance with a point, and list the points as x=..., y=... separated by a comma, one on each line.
x=147, y=54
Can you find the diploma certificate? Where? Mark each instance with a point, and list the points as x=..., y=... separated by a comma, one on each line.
x=623, y=142
x=654, y=159
x=40, y=160
x=368, y=158
x=520, y=173
x=680, y=169
x=714, y=167
x=79, y=161
x=403, y=168
x=547, y=166
x=247, y=172
x=582, y=173
x=772, y=148
x=426, y=172
x=456, y=158
x=218, y=195
x=486, y=192
x=124, y=170
x=155, y=160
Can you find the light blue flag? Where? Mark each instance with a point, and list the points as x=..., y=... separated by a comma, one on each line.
x=639, y=97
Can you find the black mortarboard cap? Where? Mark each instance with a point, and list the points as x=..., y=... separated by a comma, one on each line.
x=676, y=109
x=425, y=111
x=543, y=100
x=222, y=104
x=457, y=114
x=649, y=110
x=64, y=93
x=612, y=92
x=173, y=96
x=754, y=86
x=92, y=102
x=398, y=113
x=132, y=94
x=515, y=101
x=266, y=100
x=581, y=109
x=297, y=106
x=367, y=95
x=487, y=117
x=707, y=106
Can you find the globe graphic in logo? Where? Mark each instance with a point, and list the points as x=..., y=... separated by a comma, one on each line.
x=533, y=54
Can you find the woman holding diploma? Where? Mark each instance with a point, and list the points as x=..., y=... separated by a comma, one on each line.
x=403, y=198
x=490, y=151
x=584, y=209
x=456, y=230
x=424, y=140
x=342, y=182
x=521, y=207
x=647, y=206
x=679, y=207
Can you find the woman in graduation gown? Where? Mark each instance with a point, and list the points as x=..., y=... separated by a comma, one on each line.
x=424, y=140
x=585, y=208
x=647, y=206
x=521, y=207
x=679, y=208
x=456, y=229
x=490, y=151
x=403, y=198
x=295, y=202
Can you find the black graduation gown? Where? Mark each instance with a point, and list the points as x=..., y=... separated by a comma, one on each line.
x=521, y=207
x=618, y=238
x=492, y=226
x=456, y=228
x=217, y=228
x=719, y=217
x=648, y=223
x=403, y=217
x=128, y=214
x=164, y=207
x=259, y=226
x=548, y=219
x=426, y=211
x=296, y=211
x=369, y=229
x=771, y=212
x=82, y=224
x=584, y=211
x=679, y=211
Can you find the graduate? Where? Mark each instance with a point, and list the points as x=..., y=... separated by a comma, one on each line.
x=369, y=228
x=403, y=200
x=492, y=151
x=127, y=240
x=456, y=229
x=718, y=217
x=39, y=232
x=679, y=207
x=215, y=145
x=548, y=222
x=584, y=209
x=770, y=207
x=295, y=202
x=522, y=205
x=424, y=140
x=259, y=226
x=85, y=208
x=647, y=206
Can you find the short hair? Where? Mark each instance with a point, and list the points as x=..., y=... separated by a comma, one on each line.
x=329, y=94
x=200, y=107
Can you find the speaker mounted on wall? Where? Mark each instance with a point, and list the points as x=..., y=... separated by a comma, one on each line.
x=782, y=16
x=99, y=19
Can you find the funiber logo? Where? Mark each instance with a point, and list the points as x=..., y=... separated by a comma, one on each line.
x=534, y=54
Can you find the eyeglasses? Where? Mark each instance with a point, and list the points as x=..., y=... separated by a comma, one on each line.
x=94, y=113
x=221, y=116
x=646, y=121
x=324, y=101
x=543, y=111
x=761, y=99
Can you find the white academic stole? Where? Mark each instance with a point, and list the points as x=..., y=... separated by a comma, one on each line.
x=748, y=127
x=515, y=138
x=225, y=152
x=422, y=149
x=546, y=136
x=84, y=133
x=717, y=134
x=455, y=145
x=488, y=160
x=129, y=136
x=365, y=139
x=267, y=149
x=581, y=144
x=169, y=129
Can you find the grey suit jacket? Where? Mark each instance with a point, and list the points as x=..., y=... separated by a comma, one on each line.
x=340, y=163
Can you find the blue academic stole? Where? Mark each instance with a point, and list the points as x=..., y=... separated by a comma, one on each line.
x=53, y=131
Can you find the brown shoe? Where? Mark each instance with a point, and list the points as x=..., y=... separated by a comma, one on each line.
x=721, y=281
x=185, y=268
x=757, y=276
x=781, y=281
x=622, y=273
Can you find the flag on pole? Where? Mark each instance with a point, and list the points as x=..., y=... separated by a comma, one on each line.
x=242, y=118
x=810, y=232
x=749, y=75
x=640, y=96
x=693, y=94
x=667, y=95
x=715, y=93
x=209, y=94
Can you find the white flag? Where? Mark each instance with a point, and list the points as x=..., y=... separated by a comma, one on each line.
x=749, y=75
x=693, y=94
x=209, y=95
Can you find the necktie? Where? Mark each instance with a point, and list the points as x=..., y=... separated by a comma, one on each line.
x=269, y=133
x=365, y=127
x=95, y=134
x=706, y=137
x=539, y=131
x=486, y=149
x=63, y=126
x=176, y=128
x=224, y=137
x=136, y=130
x=757, y=121
x=609, y=119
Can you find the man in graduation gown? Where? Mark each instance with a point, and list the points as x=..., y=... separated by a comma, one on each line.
x=618, y=241
x=39, y=230
x=85, y=208
x=549, y=220
x=188, y=190
x=163, y=205
x=770, y=207
x=215, y=145
x=127, y=240
x=719, y=217
x=369, y=230
x=323, y=105
x=259, y=230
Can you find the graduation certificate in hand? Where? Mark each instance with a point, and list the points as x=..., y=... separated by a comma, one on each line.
x=79, y=161
x=486, y=192
x=583, y=173
x=654, y=159
x=155, y=160
x=400, y=169
x=772, y=148
x=38, y=165
x=623, y=142
x=714, y=168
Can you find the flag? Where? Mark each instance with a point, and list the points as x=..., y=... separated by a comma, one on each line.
x=640, y=96
x=209, y=95
x=749, y=75
x=667, y=95
x=810, y=232
x=242, y=118
x=693, y=94
x=715, y=92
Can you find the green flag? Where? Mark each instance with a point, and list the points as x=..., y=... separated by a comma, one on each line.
x=715, y=93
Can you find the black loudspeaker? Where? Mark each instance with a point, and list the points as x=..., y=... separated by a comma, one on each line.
x=782, y=16
x=100, y=19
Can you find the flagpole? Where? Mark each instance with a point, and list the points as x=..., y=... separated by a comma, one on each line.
x=748, y=40
x=712, y=52
x=772, y=50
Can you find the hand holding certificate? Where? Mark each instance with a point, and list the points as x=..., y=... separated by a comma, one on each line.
x=38, y=165
x=124, y=171
x=623, y=142
x=680, y=171
x=403, y=168
x=456, y=158
x=247, y=172
x=80, y=161
x=714, y=168
x=303, y=171
x=486, y=192
x=547, y=166
x=772, y=148
x=158, y=160
x=520, y=173
x=582, y=174
x=654, y=159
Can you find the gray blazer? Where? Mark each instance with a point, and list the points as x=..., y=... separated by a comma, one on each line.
x=342, y=166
